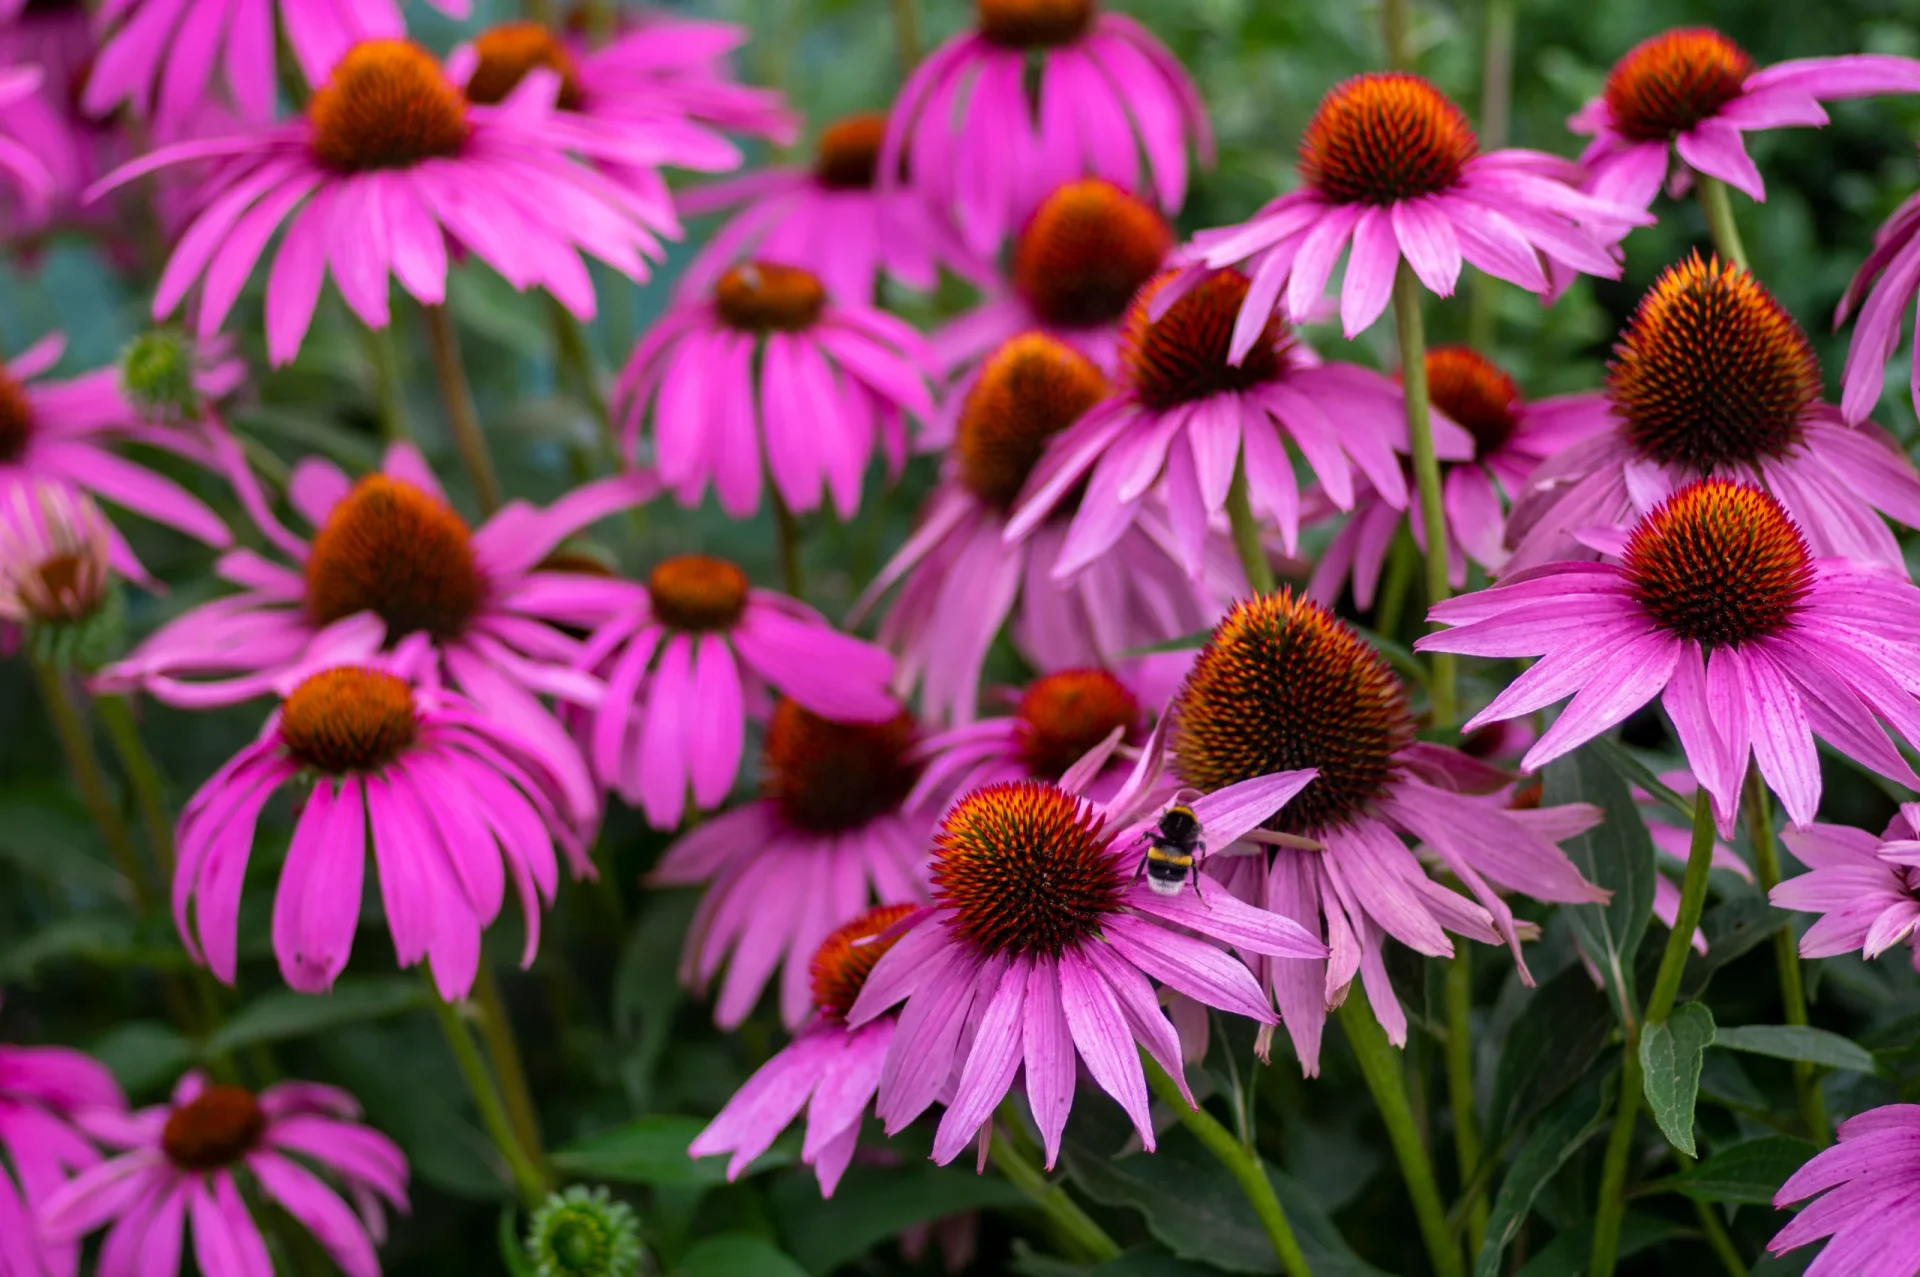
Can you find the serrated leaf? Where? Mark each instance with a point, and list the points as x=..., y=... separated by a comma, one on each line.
x=1559, y=1134
x=1749, y=1173
x=652, y=1150
x=1670, y=1055
x=872, y=1204
x=1565, y=1025
x=283, y=1014
x=736, y=1255
x=1798, y=1042
x=1616, y=854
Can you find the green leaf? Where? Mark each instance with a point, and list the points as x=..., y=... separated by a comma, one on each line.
x=1670, y=1054
x=1399, y=655
x=1797, y=1042
x=1732, y=928
x=1559, y=1134
x=1567, y=1254
x=45, y=831
x=652, y=1150
x=283, y=1014
x=1565, y=1025
x=1185, y=643
x=1749, y=1173
x=736, y=1255
x=1616, y=854
x=1635, y=772
x=144, y=1054
x=872, y=1204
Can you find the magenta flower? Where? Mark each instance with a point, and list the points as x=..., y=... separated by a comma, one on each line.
x=1041, y=938
x=1693, y=88
x=1867, y=889
x=55, y=554
x=1717, y=603
x=770, y=375
x=56, y=429
x=829, y=1069
x=1713, y=377
x=1392, y=168
x=43, y=1089
x=830, y=834
x=25, y=127
x=689, y=655
x=1887, y=279
x=1510, y=438
x=1187, y=416
x=1869, y=1178
x=1282, y=683
x=829, y=218
x=974, y=142
x=962, y=577
x=160, y=58
x=390, y=547
x=380, y=177
x=298, y=1144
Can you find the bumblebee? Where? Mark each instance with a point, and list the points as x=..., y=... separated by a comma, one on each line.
x=1175, y=847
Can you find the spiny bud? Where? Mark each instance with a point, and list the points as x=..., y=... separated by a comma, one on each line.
x=157, y=374
x=584, y=1233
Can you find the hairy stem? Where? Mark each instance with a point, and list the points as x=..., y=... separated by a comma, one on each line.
x=1719, y=211
x=1786, y=957
x=1246, y=535
x=527, y=1179
x=1073, y=1224
x=143, y=773
x=83, y=760
x=504, y=1051
x=1466, y=1123
x=1426, y=473
x=462, y=417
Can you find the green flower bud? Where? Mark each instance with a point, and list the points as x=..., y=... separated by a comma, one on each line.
x=584, y=1233
x=156, y=373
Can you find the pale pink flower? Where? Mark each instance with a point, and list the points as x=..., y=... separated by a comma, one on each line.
x=1866, y=889
x=1870, y=1211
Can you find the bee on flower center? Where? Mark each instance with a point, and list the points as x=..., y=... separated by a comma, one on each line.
x=1176, y=846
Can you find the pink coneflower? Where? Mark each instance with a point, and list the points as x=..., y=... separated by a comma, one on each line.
x=160, y=58
x=1038, y=947
x=829, y=1069
x=1510, y=438
x=390, y=546
x=1693, y=88
x=964, y=578
x=1392, y=168
x=829, y=218
x=689, y=655
x=671, y=64
x=55, y=554
x=1713, y=377
x=25, y=126
x=1887, y=279
x=770, y=375
x=1187, y=416
x=56, y=428
x=1866, y=888
x=42, y=1090
x=1871, y=1179
x=297, y=1144
x=57, y=42
x=985, y=152
x=830, y=833
x=1281, y=683
x=1718, y=603
x=389, y=167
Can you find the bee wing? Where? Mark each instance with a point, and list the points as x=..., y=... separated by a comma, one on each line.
x=1187, y=797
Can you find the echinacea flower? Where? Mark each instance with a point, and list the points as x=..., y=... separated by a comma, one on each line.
x=770, y=375
x=829, y=1069
x=1281, y=683
x=962, y=576
x=829, y=218
x=1888, y=280
x=55, y=551
x=24, y=128
x=1867, y=889
x=975, y=142
x=58, y=428
x=1693, y=89
x=1187, y=417
x=160, y=57
x=1038, y=948
x=1870, y=1179
x=689, y=655
x=391, y=546
x=389, y=169
x=42, y=1090
x=1711, y=377
x=296, y=1144
x=830, y=834
x=1511, y=437
x=1717, y=606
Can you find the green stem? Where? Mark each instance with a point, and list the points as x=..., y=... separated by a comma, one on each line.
x=387, y=384
x=1496, y=100
x=76, y=742
x=906, y=34
x=570, y=344
x=1242, y=1163
x=149, y=789
x=603, y=21
x=1381, y=1065
x=1403, y=559
x=1393, y=33
x=1073, y=1224
x=527, y=1179
x=1426, y=472
x=1719, y=1239
x=1719, y=211
x=1693, y=899
x=787, y=528
x=1246, y=535
x=1786, y=957
x=462, y=417
x=504, y=1052
x=1466, y=1124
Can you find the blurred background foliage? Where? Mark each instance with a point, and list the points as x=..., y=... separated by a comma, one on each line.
x=612, y=1042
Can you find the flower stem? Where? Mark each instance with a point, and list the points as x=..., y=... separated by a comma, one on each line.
x=1381, y=1065
x=1466, y=1124
x=787, y=528
x=527, y=1179
x=1426, y=472
x=1786, y=954
x=1073, y=1224
x=906, y=34
x=1243, y=1163
x=1393, y=33
x=462, y=417
x=1719, y=211
x=76, y=742
x=570, y=344
x=387, y=384
x=1246, y=535
x=149, y=789
x=504, y=1052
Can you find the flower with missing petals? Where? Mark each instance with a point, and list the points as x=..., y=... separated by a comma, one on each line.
x=1716, y=605
x=1867, y=1182
x=1069, y=720
x=976, y=143
x=1712, y=377
x=298, y=1145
